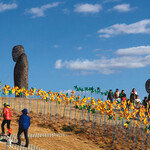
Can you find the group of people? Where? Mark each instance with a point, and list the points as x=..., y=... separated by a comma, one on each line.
x=24, y=120
x=134, y=98
x=24, y=123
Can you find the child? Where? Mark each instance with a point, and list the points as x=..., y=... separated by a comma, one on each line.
x=7, y=114
x=24, y=123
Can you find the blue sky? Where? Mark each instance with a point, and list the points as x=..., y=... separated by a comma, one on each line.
x=103, y=43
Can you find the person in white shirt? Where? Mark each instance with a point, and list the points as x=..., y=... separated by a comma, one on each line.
x=137, y=102
x=117, y=94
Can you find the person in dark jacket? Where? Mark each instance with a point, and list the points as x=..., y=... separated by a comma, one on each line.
x=123, y=95
x=24, y=123
x=110, y=96
x=133, y=96
x=145, y=102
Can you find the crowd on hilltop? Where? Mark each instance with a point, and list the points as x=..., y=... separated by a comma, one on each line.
x=134, y=98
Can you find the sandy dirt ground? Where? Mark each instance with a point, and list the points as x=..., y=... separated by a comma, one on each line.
x=2, y=147
x=77, y=138
x=85, y=135
x=70, y=141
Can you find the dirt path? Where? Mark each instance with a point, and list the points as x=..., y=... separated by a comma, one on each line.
x=71, y=141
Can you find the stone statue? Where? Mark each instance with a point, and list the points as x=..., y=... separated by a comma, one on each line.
x=21, y=67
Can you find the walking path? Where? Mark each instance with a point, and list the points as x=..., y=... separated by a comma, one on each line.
x=31, y=147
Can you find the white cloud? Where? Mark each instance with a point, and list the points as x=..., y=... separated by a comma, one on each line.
x=87, y=8
x=104, y=65
x=79, y=48
x=141, y=27
x=122, y=8
x=140, y=50
x=39, y=11
x=58, y=64
x=4, y=7
x=134, y=57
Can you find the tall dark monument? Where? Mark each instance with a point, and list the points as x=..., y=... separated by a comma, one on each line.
x=21, y=67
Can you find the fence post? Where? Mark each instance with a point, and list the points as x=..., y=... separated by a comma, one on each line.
x=64, y=112
x=29, y=106
x=130, y=125
x=125, y=137
x=134, y=136
x=115, y=135
x=37, y=107
x=105, y=122
x=100, y=121
x=147, y=137
x=50, y=110
x=56, y=111
x=112, y=130
x=82, y=119
x=95, y=124
x=75, y=116
x=89, y=123
x=122, y=131
x=70, y=113
x=25, y=102
x=20, y=105
x=60, y=109
x=44, y=108
x=15, y=103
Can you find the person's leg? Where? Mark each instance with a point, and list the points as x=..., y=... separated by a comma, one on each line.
x=8, y=124
x=18, y=135
x=26, y=137
x=8, y=127
x=2, y=126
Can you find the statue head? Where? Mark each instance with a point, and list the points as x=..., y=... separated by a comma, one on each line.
x=17, y=51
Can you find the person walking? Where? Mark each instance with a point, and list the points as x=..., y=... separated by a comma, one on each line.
x=24, y=124
x=110, y=96
x=7, y=114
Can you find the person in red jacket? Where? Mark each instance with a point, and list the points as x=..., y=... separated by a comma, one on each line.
x=7, y=114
